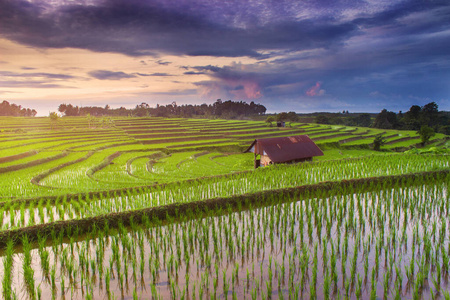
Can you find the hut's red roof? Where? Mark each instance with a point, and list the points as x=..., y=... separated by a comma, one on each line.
x=284, y=149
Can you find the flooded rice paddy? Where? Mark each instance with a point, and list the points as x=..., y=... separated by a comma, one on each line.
x=388, y=243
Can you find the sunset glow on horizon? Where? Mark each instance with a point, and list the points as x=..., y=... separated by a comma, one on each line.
x=301, y=56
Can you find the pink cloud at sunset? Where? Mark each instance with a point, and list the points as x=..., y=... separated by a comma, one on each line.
x=247, y=90
x=230, y=89
x=315, y=90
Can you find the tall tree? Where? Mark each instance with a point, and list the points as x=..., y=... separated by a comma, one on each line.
x=292, y=117
x=14, y=110
x=269, y=120
x=430, y=114
x=53, y=119
x=386, y=120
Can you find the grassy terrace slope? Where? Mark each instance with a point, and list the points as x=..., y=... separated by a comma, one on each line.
x=18, y=214
x=95, y=212
x=38, y=158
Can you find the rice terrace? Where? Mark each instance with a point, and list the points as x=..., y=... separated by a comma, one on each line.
x=172, y=208
x=208, y=149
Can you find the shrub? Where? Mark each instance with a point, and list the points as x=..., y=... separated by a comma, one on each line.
x=378, y=142
x=426, y=133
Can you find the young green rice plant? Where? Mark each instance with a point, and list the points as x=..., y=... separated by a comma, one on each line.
x=326, y=285
x=358, y=290
x=386, y=283
x=53, y=281
x=28, y=271
x=377, y=257
x=22, y=214
x=210, y=257
x=44, y=255
x=354, y=262
x=394, y=165
x=313, y=282
x=347, y=284
x=445, y=260
x=8, y=262
x=31, y=216
x=343, y=264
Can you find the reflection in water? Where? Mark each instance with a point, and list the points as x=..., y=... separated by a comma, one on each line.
x=391, y=242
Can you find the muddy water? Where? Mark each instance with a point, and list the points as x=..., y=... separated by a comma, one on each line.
x=267, y=252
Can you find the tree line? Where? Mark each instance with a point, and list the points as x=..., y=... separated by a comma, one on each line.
x=14, y=110
x=414, y=119
x=283, y=117
x=225, y=109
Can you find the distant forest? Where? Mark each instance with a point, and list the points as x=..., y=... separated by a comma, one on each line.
x=227, y=109
x=416, y=117
x=413, y=119
x=13, y=110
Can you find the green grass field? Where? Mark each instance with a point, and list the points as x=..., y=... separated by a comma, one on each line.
x=74, y=156
x=119, y=197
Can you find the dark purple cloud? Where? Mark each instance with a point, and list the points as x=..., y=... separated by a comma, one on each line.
x=182, y=92
x=155, y=74
x=163, y=63
x=36, y=74
x=214, y=28
x=110, y=75
x=39, y=84
x=119, y=75
x=194, y=73
x=140, y=28
x=39, y=80
x=213, y=69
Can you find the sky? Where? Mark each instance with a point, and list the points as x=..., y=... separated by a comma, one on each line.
x=288, y=55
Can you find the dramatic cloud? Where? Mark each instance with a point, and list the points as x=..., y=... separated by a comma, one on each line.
x=288, y=54
x=236, y=81
x=31, y=75
x=109, y=75
x=163, y=63
x=31, y=85
x=248, y=90
x=141, y=27
x=230, y=89
x=194, y=73
x=154, y=74
x=34, y=80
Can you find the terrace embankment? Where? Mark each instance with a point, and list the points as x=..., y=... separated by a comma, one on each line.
x=152, y=158
x=263, y=198
x=32, y=163
x=17, y=156
x=36, y=180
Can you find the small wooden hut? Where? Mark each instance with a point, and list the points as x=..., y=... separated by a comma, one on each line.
x=281, y=124
x=284, y=150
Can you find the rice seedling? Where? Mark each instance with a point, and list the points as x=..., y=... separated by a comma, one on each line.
x=8, y=262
